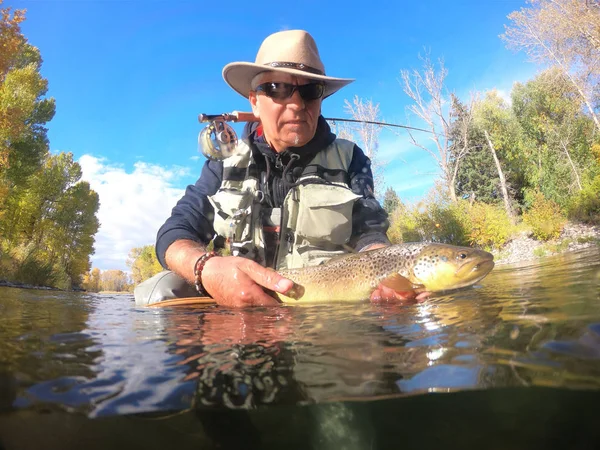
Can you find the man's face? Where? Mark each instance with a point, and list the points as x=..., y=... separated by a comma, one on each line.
x=288, y=122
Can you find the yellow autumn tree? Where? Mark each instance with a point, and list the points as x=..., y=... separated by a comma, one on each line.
x=143, y=263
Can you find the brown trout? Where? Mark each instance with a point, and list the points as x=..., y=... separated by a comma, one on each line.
x=409, y=267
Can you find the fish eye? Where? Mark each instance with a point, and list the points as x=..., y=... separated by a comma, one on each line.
x=462, y=255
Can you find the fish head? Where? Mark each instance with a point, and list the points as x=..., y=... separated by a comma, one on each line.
x=441, y=267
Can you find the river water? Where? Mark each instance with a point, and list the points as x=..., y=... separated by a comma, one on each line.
x=513, y=362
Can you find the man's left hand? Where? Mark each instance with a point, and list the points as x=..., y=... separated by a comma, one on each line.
x=385, y=294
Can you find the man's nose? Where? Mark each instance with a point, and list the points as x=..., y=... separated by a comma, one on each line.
x=296, y=101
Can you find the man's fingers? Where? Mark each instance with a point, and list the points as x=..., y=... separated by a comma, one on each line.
x=423, y=296
x=385, y=293
x=255, y=296
x=268, y=278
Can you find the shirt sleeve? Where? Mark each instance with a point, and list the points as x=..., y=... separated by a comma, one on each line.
x=369, y=220
x=191, y=217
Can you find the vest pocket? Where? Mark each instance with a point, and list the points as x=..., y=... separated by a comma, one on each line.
x=232, y=211
x=325, y=213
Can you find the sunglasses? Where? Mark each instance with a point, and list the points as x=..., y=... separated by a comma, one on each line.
x=281, y=91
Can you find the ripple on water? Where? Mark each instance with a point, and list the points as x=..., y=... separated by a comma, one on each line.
x=535, y=324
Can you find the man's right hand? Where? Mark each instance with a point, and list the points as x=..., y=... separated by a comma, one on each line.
x=231, y=280
x=238, y=282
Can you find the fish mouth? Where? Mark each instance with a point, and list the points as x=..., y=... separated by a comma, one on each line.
x=472, y=273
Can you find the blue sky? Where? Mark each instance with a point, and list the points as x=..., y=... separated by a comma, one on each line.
x=131, y=77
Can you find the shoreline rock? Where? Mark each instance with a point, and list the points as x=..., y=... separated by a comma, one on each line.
x=524, y=247
x=16, y=284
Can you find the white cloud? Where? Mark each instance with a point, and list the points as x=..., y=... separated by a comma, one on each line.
x=133, y=205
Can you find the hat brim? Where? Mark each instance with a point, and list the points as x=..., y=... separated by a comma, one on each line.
x=239, y=76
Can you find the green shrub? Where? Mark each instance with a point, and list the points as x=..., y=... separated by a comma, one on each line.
x=488, y=226
x=434, y=221
x=36, y=272
x=585, y=206
x=545, y=217
x=480, y=224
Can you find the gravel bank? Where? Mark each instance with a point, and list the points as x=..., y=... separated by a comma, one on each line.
x=573, y=237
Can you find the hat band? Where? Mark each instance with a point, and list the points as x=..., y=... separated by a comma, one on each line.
x=298, y=66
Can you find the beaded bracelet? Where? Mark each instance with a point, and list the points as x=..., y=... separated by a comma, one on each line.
x=198, y=266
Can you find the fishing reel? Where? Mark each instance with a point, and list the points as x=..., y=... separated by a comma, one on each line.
x=218, y=140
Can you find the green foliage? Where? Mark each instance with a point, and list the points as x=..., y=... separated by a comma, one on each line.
x=47, y=216
x=558, y=135
x=143, y=263
x=462, y=223
x=585, y=206
x=52, y=208
x=433, y=220
x=391, y=201
x=544, y=216
x=477, y=175
x=488, y=225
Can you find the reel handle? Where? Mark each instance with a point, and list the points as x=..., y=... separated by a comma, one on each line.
x=244, y=116
x=234, y=116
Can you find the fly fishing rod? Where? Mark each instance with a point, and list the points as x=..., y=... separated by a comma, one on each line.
x=218, y=139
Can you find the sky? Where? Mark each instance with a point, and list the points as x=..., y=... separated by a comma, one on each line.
x=130, y=78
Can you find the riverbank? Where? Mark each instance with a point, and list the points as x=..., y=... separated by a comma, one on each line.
x=16, y=284
x=524, y=248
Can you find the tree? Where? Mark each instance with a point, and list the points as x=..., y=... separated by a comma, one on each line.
x=557, y=152
x=91, y=280
x=565, y=33
x=426, y=90
x=502, y=133
x=369, y=133
x=54, y=215
x=114, y=281
x=23, y=109
x=391, y=201
x=461, y=139
x=48, y=217
x=143, y=263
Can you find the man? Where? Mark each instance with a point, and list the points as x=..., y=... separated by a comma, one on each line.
x=291, y=195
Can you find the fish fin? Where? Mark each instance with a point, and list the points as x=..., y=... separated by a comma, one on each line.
x=339, y=257
x=349, y=249
x=399, y=283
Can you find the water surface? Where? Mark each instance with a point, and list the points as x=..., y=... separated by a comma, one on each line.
x=522, y=346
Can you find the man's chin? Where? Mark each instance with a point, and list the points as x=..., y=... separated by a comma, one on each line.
x=297, y=139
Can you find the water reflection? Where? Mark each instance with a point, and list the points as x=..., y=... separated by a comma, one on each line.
x=44, y=347
x=535, y=324
x=239, y=359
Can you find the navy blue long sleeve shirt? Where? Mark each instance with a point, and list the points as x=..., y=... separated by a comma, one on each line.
x=191, y=218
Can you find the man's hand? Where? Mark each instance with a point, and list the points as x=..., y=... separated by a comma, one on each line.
x=238, y=282
x=232, y=281
x=385, y=294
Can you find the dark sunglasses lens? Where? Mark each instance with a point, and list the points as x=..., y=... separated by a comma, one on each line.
x=278, y=90
x=311, y=91
x=281, y=91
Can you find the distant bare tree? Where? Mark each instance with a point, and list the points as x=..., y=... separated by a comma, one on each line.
x=368, y=134
x=426, y=90
x=460, y=128
x=565, y=33
x=342, y=130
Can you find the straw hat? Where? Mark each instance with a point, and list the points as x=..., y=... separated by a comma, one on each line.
x=292, y=51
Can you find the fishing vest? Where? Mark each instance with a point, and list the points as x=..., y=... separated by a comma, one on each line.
x=314, y=222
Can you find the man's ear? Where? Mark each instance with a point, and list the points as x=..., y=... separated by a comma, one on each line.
x=254, y=103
